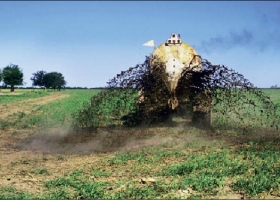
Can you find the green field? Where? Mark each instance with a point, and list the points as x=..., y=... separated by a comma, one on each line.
x=273, y=94
x=156, y=162
x=20, y=94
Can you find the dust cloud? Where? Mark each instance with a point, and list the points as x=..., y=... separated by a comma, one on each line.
x=119, y=139
x=110, y=139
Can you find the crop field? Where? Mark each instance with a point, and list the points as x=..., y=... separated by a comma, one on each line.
x=44, y=157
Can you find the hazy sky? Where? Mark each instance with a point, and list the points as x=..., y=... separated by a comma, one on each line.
x=89, y=42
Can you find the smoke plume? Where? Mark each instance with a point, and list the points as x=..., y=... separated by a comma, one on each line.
x=264, y=36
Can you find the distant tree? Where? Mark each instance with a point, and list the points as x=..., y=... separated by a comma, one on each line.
x=0, y=78
x=12, y=76
x=38, y=78
x=0, y=75
x=54, y=80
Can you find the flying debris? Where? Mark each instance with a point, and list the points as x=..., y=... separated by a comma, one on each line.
x=175, y=80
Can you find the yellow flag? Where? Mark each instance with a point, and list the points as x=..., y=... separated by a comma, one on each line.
x=150, y=43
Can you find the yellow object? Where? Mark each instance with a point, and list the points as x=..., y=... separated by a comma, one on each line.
x=177, y=57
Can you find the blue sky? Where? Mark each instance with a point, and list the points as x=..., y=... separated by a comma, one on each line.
x=89, y=42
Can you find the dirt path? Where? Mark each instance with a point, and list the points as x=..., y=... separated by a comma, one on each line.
x=28, y=105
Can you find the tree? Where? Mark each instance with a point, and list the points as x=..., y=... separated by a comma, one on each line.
x=12, y=76
x=0, y=75
x=54, y=80
x=38, y=78
x=0, y=78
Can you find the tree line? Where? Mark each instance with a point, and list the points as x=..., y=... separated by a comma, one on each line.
x=12, y=76
x=52, y=80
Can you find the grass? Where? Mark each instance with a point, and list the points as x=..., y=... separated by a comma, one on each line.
x=246, y=109
x=106, y=108
x=245, y=169
x=274, y=94
x=250, y=168
x=21, y=94
x=264, y=170
x=49, y=115
x=42, y=171
x=12, y=193
x=75, y=183
x=60, y=112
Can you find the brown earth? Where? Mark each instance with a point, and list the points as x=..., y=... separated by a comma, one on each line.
x=55, y=151
x=33, y=157
x=15, y=163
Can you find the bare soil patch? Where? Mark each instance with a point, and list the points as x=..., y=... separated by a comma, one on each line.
x=16, y=163
x=59, y=151
x=26, y=170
